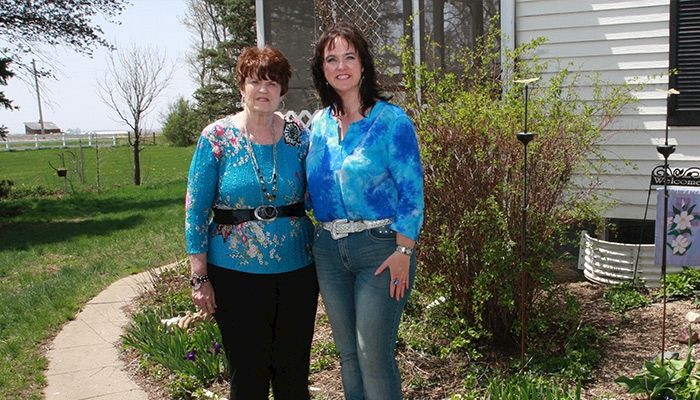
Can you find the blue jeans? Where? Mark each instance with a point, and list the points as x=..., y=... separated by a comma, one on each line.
x=364, y=319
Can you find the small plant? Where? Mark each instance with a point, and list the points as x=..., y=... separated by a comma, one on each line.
x=683, y=284
x=625, y=296
x=674, y=379
x=530, y=387
x=183, y=386
x=323, y=354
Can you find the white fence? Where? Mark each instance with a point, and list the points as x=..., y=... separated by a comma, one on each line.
x=62, y=140
x=613, y=263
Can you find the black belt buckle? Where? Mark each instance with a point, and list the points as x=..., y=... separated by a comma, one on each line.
x=265, y=213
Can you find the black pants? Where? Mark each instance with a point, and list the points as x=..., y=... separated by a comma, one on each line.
x=266, y=323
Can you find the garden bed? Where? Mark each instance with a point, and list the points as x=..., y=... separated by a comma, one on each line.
x=633, y=338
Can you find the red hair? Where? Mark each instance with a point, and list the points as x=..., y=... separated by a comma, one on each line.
x=266, y=63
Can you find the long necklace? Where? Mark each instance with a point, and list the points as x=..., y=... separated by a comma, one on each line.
x=271, y=193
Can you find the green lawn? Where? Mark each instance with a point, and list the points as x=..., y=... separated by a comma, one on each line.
x=57, y=252
x=31, y=167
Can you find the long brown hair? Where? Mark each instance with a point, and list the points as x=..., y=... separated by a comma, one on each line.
x=370, y=91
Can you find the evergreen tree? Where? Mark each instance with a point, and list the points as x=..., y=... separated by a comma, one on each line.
x=219, y=93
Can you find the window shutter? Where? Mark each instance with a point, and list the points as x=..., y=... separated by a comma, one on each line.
x=684, y=109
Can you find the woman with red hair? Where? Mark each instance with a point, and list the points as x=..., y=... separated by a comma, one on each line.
x=251, y=263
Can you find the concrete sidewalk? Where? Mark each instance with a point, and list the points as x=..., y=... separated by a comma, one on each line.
x=84, y=359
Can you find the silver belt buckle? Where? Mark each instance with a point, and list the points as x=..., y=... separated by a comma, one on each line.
x=265, y=213
x=335, y=229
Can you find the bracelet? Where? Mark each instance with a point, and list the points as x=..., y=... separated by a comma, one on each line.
x=197, y=280
x=404, y=250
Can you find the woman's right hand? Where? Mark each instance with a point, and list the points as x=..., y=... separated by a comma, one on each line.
x=204, y=298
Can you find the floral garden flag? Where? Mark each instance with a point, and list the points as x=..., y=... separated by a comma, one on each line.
x=683, y=226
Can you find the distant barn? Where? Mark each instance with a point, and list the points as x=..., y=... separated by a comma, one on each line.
x=34, y=128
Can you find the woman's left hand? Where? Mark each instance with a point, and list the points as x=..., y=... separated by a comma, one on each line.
x=399, y=267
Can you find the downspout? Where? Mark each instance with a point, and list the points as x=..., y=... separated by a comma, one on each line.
x=260, y=22
x=508, y=39
x=416, y=12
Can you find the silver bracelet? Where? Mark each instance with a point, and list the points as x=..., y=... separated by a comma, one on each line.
x=404, y=250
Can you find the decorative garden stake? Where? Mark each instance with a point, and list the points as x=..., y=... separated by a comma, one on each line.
x=524, y=137
x=665, y=150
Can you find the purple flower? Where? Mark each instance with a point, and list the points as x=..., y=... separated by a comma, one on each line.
x=217, y=347
x=191, y=355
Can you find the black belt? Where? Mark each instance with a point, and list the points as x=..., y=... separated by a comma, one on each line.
x=260, y=213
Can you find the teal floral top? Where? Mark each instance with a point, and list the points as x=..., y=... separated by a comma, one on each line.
x=222, y=175
x=374, y=173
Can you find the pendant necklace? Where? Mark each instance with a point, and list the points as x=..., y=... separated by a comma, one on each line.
x=269, y=194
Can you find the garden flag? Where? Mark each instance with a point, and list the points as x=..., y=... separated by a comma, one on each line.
x=682, y=229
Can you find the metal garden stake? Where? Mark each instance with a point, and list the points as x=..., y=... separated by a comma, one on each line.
x=524, y=138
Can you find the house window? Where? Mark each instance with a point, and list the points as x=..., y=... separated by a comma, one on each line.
x=684, y=109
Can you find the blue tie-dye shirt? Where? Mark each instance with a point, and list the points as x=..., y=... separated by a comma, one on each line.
x=373, y=173
x=222, y=175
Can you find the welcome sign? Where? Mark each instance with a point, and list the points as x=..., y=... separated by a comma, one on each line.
x=676, y=176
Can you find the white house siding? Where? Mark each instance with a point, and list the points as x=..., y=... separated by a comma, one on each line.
x=622, y=41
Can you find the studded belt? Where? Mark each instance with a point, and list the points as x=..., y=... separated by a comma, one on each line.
x=340, y=228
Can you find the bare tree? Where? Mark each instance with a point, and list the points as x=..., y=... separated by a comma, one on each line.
x=133, y=80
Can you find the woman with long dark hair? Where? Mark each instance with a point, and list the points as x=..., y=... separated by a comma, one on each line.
x=365, y=182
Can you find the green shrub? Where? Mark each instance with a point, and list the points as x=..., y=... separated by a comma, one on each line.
x=182, y=124
x=473, y=177
x=675, y=379
x=624, y=297
x=683, y=284
x=5, y=188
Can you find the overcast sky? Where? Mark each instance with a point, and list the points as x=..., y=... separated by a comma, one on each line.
x=71, y=101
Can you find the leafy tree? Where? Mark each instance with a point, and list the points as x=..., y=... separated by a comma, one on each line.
x=182, y=124
x=223, y=29
x=134, y=79
x=24, y=25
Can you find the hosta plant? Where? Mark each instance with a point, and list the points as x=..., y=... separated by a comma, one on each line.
x=670, y=380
